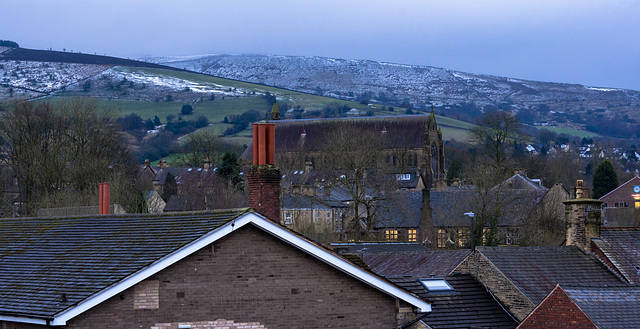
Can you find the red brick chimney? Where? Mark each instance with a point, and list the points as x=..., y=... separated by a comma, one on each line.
x=264, y=177
x=105, y=198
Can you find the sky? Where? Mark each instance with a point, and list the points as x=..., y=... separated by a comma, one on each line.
x=590, y=42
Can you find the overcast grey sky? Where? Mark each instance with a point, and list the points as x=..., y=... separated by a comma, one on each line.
x=592, y=42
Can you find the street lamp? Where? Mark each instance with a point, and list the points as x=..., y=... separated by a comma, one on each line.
x=471, y=218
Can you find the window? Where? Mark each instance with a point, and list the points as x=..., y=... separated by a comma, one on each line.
x=436, y=285
x=412, y=235
x=463, y=237
x=288, y=219
x=442, y=238
x=403, y=176
x=391, y=235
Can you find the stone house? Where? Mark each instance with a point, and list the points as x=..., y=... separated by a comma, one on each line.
x=522, y=200
x=521, y=277
x=457, y=300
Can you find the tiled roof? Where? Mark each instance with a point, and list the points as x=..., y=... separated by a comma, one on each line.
x=401, y=131
x=608, y=307
x=44, y=259
x=537, y=270
x=448, y=207
x=518, y=181
x=184, y=176
x=376, y=247
x=300, y=201
x=415, y=263
x=470, y=306
x=622, y=248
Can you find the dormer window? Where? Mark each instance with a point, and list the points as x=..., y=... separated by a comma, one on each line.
x=403, y=177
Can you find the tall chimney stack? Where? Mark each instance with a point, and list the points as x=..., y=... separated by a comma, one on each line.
x=583, y=219
x=105, y=198
x=264, y=177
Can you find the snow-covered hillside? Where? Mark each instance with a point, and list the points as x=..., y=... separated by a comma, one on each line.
x=420, y=86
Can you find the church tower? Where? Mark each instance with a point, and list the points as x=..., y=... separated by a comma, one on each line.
x=433, y=175
x=433, y=150
x=275, y=111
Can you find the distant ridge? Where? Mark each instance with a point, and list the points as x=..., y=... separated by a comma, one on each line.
x=23, y=54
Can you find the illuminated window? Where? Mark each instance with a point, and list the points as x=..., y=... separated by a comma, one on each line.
x=391, y=235
x=412, y=235
x=463, y=237
x=442, y=238
x=637, y=204
x=484, y=236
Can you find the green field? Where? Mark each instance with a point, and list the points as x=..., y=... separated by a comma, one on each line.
x=216, y=110
x=569, y=131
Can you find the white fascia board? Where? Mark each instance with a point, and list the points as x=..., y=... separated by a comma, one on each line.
x=61, y=318
x=21, y=319
x=340, y=264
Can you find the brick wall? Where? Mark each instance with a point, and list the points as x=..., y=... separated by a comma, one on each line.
x=557, y=311
x=250, y=277
x=14, y=325
x=500, y=286
x=264, y=191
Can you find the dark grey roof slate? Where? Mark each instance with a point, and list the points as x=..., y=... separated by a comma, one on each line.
x=622, y=248
x=471, y=306
x=300, y=201
x=448, y=207
x=537, y=270
x=43, y=258
x=415, y=263
x=608, y=307
x=376, y=247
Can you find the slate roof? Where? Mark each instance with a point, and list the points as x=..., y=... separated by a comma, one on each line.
x=470, y=306
x=300, y=201
x=415, y=263
x=608, y=307
x=537, y=270
x=43, y=258
x=402, y=131
x=519, y=181
x=376, y=247
x=186, y=176
x=448, y=207
x=622, y=249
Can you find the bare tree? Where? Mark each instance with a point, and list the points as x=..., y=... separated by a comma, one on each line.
x=198, y=147
x=493, y=136
x=67, y=146
x=352, y=156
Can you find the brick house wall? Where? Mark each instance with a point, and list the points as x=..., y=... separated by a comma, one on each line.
x=557, y=311
x=478, y=266
x=251, y=279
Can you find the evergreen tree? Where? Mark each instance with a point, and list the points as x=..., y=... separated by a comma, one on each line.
x=230, y=170
x=605, y=179
x=170, y=187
